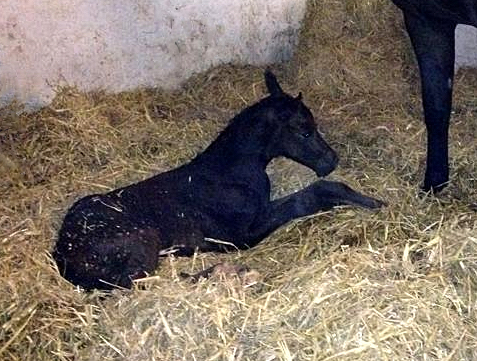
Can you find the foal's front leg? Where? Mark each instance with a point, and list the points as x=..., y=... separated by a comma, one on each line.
x=319, y=196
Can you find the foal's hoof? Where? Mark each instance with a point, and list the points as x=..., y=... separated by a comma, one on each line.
x=372, y=203
x=247, y=276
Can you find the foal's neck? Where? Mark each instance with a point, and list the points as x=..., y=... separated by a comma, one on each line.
x=246, y=138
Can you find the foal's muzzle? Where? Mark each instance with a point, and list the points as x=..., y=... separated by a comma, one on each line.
x=327, y=164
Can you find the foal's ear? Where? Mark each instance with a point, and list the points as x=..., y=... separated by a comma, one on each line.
x=272, y=83
x=299, y=96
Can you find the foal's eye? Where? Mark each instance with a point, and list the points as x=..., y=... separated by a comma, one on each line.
x=306, y=134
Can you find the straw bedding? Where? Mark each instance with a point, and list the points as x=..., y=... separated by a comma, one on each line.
x=396, y=284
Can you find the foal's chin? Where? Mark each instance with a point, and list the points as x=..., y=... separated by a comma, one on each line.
x=323, y=171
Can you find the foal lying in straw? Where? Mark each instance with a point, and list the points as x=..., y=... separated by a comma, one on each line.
x=222, y=194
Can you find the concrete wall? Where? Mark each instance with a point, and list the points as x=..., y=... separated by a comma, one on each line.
x=466, y=46
x=119, y=45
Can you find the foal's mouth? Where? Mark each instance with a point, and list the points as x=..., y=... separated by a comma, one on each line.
x=323, y=175
x=324, y=169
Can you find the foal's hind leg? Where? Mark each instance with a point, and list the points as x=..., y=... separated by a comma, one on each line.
x=142, y=250
x=319, y=196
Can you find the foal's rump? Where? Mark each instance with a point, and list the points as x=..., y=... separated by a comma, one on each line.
x=113, y=262
x=101, y=245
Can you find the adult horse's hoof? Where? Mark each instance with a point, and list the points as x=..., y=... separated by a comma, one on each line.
x=434, y=187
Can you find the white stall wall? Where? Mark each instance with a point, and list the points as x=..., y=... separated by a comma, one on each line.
x=466, y=46
x=119, y=45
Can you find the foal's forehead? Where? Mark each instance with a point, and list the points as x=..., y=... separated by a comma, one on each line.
x=286, y=102
x=292, y=102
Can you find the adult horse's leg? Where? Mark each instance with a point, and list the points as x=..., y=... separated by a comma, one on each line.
x=433, y=42
x=319, y=196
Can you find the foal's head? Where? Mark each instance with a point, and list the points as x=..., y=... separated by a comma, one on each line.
x=294, y=134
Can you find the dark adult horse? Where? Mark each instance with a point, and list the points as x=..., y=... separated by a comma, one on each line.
x=431, y=25
x=223, y=194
